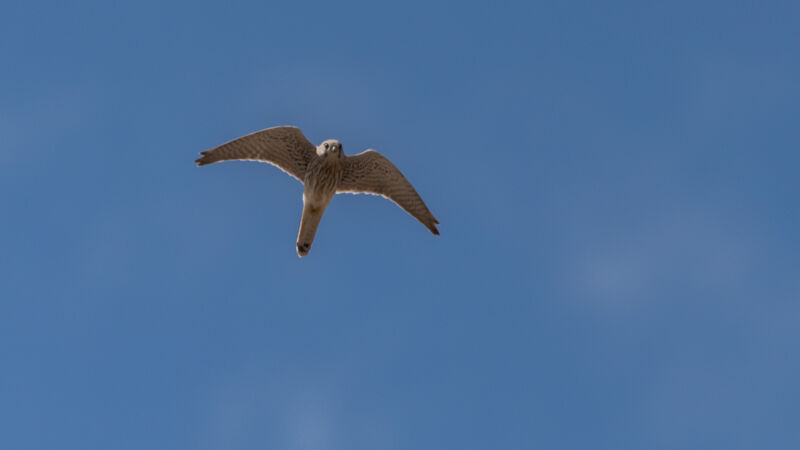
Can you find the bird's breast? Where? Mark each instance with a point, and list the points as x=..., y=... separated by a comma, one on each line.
x=322, y=176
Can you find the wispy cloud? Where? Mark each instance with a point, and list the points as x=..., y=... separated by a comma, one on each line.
x=688, y=249
x=263, y=408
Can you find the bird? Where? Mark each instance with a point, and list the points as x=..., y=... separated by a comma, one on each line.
x=324, y=170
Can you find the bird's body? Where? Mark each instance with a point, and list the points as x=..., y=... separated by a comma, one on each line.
x=324, y=171
x=323, y=175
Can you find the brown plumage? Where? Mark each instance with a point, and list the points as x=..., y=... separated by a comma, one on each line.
x=283, y=147
x=324, y=171
x=371, y=173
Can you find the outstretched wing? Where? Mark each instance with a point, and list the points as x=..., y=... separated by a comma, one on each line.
x=284, y=147
x=370, y=173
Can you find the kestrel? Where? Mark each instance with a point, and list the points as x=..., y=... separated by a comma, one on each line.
x=324, y=171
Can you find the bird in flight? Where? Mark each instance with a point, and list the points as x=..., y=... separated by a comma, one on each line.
x=324, y=171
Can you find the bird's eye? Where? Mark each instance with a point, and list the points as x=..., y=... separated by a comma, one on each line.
x=326, y=146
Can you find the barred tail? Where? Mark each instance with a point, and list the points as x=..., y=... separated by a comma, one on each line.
x=308, y=228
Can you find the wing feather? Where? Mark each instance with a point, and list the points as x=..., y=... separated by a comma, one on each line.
x=284, y=147
x=371, y=173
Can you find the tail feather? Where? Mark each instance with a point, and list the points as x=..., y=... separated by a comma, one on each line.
x=308, y=228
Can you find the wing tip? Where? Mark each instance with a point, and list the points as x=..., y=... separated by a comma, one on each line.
x=432, y=227
x=203, y=160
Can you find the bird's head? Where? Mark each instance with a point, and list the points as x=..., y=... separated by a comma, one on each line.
x=329, y=148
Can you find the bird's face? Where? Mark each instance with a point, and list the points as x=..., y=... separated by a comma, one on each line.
x=330, y=148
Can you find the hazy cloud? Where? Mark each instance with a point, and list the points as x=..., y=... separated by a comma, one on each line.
x=686, y=249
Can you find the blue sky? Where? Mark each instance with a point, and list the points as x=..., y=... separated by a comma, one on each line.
x=616, y=185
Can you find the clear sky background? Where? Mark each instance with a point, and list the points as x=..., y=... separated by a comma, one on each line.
x=616, y=184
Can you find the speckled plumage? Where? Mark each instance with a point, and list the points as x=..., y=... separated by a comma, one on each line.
x=324, y=171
